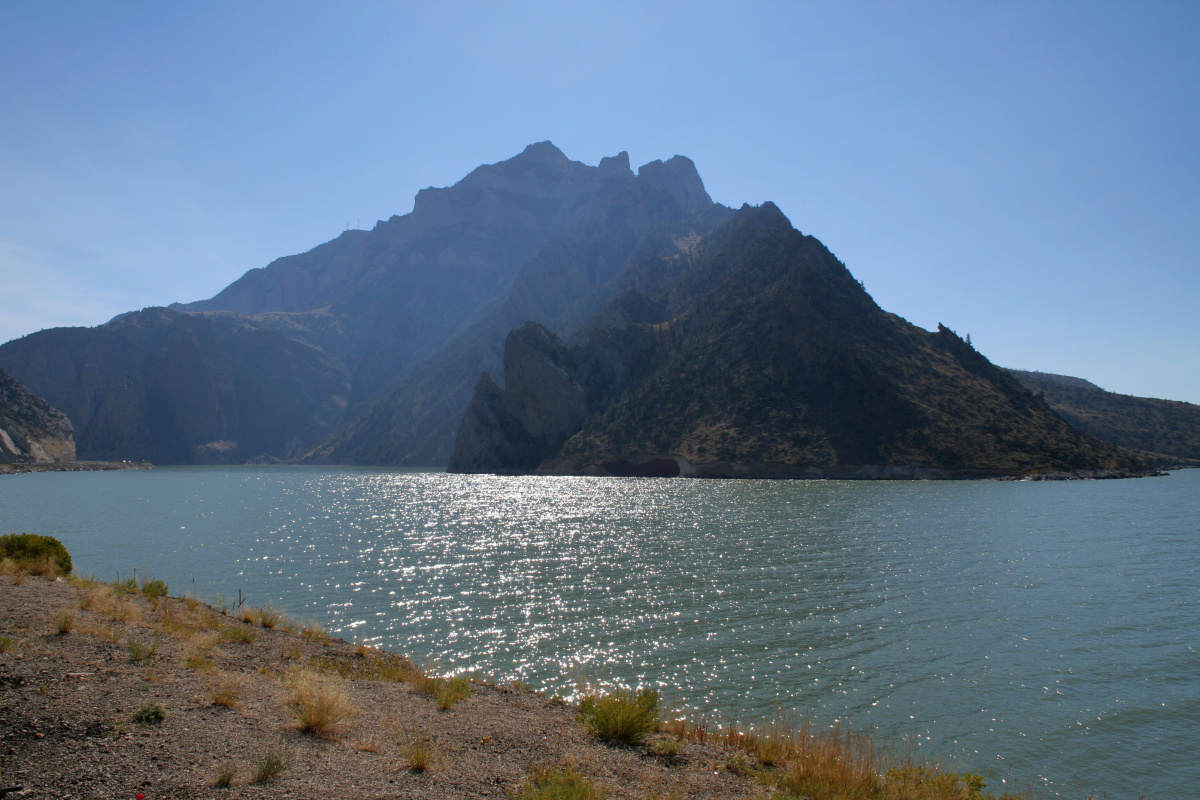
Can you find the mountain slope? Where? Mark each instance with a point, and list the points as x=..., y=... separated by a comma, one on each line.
x=31, y=430
x=764, y=358
x=1169, y=427
x=415, y=307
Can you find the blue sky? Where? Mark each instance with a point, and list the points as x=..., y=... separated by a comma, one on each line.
x=1025, y=172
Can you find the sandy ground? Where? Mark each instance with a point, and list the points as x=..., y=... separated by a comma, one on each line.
x=67, y=702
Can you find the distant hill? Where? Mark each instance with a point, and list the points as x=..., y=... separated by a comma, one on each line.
x=31, y=430
x=376, y=336
x=1169, y=427
x=758, y=354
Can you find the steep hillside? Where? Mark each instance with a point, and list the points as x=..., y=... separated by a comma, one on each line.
x=31, y=431
x=765, y=357
x=1169, y=427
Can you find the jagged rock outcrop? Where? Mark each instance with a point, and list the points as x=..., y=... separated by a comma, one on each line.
x=31, y=430
x=760, y=355
x=1166, y=427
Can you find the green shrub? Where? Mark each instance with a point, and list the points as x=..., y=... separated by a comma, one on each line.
x=150, y=714
x=622, y=717
x=35, y=553
x=154, y=588
x=558, y=784
x=270, y=766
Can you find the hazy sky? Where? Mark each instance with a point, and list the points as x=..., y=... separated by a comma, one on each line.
x=1026, y=172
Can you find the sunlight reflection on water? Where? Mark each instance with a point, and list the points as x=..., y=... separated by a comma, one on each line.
x=1023, y=629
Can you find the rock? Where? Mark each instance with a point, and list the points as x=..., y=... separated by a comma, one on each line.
x=31, y=430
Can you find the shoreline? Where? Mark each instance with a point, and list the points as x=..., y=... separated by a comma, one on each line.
x=74, y=466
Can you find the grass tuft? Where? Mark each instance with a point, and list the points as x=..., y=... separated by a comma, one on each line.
x=558, y=784
x=238, y=635
x=666, y=748
x=64, y=621
x=270, y=766
x=142, y=652
x=621, y=717
x=318, y=702
x=228, y=690
x=225, y=774
x=6, y=644
x=150, y=714
x=419, y=753
x=311, y=629
x=269, y=616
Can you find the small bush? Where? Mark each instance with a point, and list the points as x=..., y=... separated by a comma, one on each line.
x=666, y=748
x=318, y=703
x=150, y=714
x=36, y=554
x=154, y=588
x=64, y=621
x=226, y=772
x=558, y=784
x=622, y=717
x=270, y=766
x=738, y=764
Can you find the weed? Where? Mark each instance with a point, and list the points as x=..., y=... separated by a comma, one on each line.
x=6, y=644
x=64, y=621
x=318, y=703
x=126, y=611
x=238, y=635
x=141, y=652
x=249, y=614
x=558, y=784
x=621, y=717
x=226, y=772
x=378, y=667
x=150, y=714
x=270, y=765
x=666, y=748
x=105, y=632
x=290, y=652
x=95, y=598
x=738, y=764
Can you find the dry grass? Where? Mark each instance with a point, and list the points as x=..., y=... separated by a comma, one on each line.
x=271, y=765
x=64, y=621
x=229, y=689
x=269, y=616
x=142, y=652
x=226, y=772
x=238, y=634
x=318, y=702
x=6, y=644
x=558, y=784
x=311, y=629
x=419, y=753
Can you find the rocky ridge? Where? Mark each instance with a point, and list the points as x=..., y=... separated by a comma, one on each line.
x=32, y=432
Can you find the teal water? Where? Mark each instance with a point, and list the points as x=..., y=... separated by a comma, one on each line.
x=1042, y=632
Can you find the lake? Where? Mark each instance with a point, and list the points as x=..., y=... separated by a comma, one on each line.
x=1031, y=632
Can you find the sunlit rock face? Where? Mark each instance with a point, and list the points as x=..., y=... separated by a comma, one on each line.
x=31, y=430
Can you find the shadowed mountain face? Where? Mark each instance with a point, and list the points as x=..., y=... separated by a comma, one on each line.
x=759, y=354
x=31, y=431
x=1169, y=427
x=377, y=334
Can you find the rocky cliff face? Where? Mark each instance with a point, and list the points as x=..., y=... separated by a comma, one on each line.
x=31, y=431
x=761, y=355
x=378, y=335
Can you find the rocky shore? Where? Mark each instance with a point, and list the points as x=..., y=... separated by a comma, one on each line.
x=74, y=466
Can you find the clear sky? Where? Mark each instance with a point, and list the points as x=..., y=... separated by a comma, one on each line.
x=1025, y=172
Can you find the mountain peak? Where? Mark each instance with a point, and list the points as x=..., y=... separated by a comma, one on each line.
x=678, y=177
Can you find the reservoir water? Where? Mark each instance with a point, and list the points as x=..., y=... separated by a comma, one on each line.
x=1030, y=632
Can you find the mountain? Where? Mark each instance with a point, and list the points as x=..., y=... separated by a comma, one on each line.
x=1168, y=427
x=371, y=341
x=758, y=354
x=31, y=430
